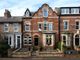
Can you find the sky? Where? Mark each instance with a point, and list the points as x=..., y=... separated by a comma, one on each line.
x=18, y=7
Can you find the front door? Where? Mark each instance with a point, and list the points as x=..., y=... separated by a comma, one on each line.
x=18, y=41
x=36, y=41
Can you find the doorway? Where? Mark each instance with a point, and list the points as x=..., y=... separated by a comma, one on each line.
x=36, y=40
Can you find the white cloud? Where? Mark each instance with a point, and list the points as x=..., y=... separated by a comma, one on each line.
x=18, y=7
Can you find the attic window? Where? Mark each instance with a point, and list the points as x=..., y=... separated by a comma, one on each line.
x=27, y=14
x=45, y=12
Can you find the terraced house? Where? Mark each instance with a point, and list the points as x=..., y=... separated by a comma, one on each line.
x=10, y=28
x=43, y=29
x=70, y=27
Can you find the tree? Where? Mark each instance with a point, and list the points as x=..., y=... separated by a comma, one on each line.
x=3, y=46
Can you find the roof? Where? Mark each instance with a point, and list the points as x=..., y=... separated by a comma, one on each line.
x=11, y=19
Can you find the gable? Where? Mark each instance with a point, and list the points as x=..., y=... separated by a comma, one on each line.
x=40, y=13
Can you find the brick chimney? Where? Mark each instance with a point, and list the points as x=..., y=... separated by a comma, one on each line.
x=7, y=14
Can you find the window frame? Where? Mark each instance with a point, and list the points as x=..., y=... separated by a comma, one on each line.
x=66, y=25
x=28, y=27
x=77, y=25
x=27, y=40
x=6, y=27
x=50, y=26
x=74, y=10
x=16, y=26
x=45, y=14
x=65, y=11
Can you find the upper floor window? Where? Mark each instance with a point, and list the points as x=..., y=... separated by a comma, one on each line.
x=77, y=24
x=75, y=11
x=40, y=26
x=66, y=40
x=65, y=11
x=16, y=27
x=6, y=27
x=45, y=12
x=66, y=25
x=45, y=26
x=27, y=27
x=50, y=26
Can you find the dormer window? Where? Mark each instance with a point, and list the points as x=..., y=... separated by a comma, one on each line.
x=65, y=11
x=75, y=11
x=27, y=13
x=45, y=12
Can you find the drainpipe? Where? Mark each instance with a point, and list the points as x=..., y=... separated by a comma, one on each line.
x=59, y=27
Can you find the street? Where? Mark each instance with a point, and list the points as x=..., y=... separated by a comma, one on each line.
x=43, y=58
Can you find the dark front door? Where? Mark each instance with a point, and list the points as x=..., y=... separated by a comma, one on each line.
x=36, y=41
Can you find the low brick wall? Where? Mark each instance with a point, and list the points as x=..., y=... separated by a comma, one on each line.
x=21, y=54
x=47, y=54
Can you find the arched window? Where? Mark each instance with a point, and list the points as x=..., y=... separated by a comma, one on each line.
x=77, y=40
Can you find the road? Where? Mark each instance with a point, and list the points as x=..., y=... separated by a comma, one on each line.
x=38, y=58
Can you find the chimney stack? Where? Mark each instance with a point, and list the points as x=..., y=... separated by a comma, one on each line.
x=7, y=14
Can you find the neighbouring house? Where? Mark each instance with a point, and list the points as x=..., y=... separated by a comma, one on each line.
x=70, y=27
x=10, y=27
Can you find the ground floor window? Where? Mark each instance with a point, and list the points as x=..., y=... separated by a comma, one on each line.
x=66, y=40
x=48, y=39
x=27, y=39
x=9, y=39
